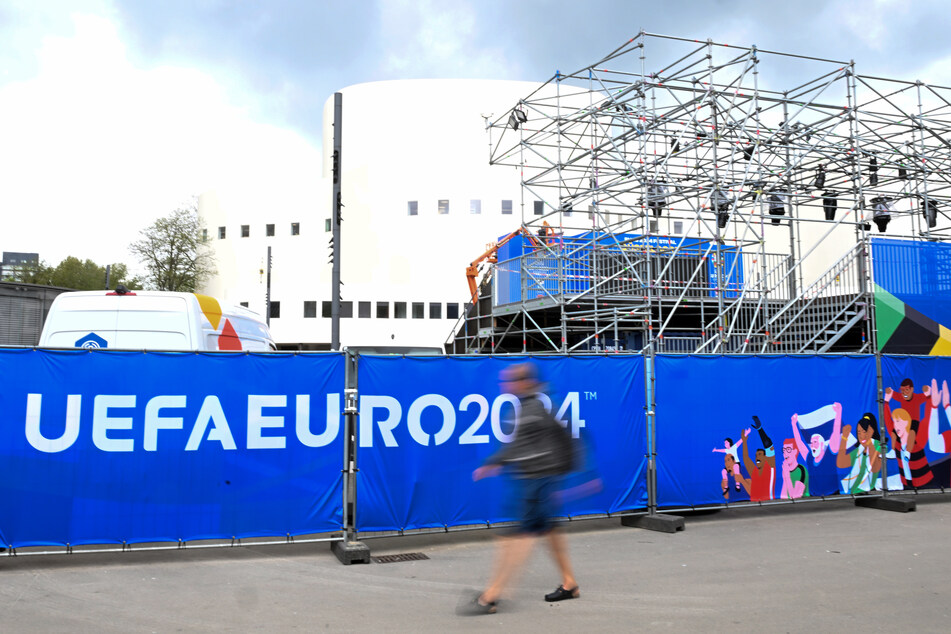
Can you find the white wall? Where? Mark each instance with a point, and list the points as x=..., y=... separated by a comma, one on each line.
x=421, y=140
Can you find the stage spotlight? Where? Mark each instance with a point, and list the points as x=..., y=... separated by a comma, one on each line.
x=721, y=204
x=674, y=146
x=656, y=198
x=902, y=173
x=881, y=212
x=929, y=209
x=873, y=171
x=777, y=205
x=829, y=204
x=748, y=152
x=517, y=117
x=820, y=181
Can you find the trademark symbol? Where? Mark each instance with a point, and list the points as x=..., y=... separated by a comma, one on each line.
x=590, y=396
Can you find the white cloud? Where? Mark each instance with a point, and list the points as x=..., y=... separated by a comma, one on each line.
x=94, y=148
x=425, y=38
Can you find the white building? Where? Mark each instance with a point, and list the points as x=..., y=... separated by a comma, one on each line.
x=420, y=203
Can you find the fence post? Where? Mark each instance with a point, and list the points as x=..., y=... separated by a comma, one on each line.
x=653, y=520
x=350, y=550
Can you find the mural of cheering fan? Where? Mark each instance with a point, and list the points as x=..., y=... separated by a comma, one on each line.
x=656, y=198
x=777, y=204
x=881, y=212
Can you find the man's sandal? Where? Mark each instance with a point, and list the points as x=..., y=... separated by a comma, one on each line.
x=475, y=607
x=561, y=594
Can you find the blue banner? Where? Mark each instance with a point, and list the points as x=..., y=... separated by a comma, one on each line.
x=917, y=420
x=737, y=428
x=427, y=423
x=113, y=447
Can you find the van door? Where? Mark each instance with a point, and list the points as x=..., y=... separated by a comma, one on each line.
x=148, y=322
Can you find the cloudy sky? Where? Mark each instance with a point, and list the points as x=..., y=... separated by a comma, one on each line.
x=113, y=112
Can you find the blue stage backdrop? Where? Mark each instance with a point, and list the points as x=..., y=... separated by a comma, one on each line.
x=111, y=447
x=427, y=423
x=706, y=404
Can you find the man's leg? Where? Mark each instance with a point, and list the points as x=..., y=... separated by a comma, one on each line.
x=510, y=555
x=559, y=550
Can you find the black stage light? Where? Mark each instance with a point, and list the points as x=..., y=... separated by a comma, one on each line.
x=777, y=205
x=656, y=198
x=517, y=117
x=829, y=204
x=820, y=181
x=881, y=212
x=929, y=209
x=721, y=203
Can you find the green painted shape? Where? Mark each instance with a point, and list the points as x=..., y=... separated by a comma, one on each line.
x=889, y=311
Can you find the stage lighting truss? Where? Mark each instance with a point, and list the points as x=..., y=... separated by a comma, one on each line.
x=764, y=156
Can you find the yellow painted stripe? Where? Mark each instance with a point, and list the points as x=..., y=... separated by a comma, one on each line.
x=211, y=309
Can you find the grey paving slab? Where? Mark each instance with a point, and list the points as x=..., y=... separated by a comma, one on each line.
x=817, y=567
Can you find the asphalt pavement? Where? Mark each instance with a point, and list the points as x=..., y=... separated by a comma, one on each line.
x=827, y=566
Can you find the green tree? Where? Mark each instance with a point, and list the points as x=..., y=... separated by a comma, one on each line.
x=174, y=252
x=89, y=276
x=76, y=274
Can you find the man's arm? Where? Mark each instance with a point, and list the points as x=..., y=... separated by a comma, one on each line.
x=836, y=427
x=842, y=459
x=803, y=450
x=750, y=466
x=786, y=492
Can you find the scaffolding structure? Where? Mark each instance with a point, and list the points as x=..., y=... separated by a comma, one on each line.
x=698, y=206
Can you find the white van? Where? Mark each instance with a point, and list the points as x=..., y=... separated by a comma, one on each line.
x=151, y=320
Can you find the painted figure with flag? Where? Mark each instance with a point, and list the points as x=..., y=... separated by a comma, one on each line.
x=822, y=426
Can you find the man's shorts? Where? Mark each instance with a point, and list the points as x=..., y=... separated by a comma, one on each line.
x=539, y=503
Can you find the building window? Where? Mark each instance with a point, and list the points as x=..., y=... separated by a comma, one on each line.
x=399, y=310
x=245, y=304
x=326, y=309
x=382, y=310
x=204, y=235
x=245, y=231
x=443, y=207
x=435, y=310
x=653, y=226
x=678, y=227
x=275, y=311
x=419, y=310
x=310, y=310
x=412, y=207
x=475, y=206
x=539, y=208
x=328, y=224
x=452, y=310
x=295, y=228
x=221, y=233
x=269, y=230
x=363, y=310
x=506, y=207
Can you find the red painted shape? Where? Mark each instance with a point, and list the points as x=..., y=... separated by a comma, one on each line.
x=228, y=339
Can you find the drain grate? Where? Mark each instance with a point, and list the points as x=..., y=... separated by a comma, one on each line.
x=392, y=559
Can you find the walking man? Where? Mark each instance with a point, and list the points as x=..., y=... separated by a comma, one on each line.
x=540, y=453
